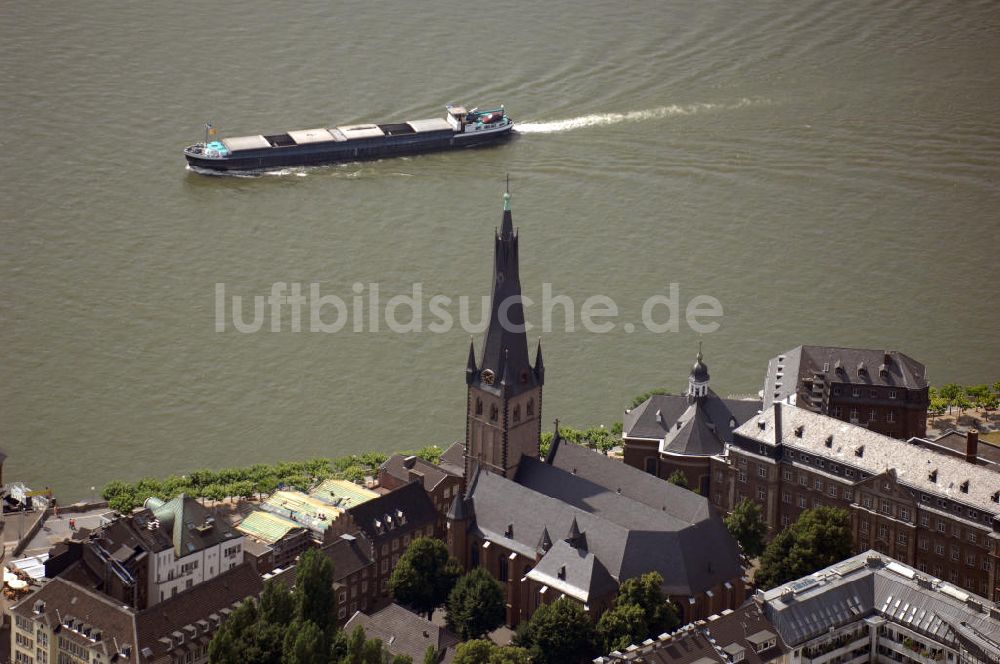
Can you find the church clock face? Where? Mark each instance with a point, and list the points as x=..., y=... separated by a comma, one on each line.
x=488, y=376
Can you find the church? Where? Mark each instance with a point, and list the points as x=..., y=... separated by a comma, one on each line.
x=575, y=523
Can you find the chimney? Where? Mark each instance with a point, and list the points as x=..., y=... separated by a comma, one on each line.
x=777, y=423
x=972, y=446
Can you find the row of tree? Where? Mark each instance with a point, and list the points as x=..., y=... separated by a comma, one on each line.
x=251, y=481
x=963, y=397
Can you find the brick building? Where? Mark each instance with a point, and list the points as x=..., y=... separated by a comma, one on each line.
x=668, y=433
x=440, y=484
x=885, y=391
x=938, y=512
x=67, y=623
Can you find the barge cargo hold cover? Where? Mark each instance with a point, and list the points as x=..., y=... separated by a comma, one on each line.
x=460, y=128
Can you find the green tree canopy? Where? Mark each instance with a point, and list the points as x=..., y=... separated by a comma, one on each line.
x=313, y=594
x=819, y=538
x=558, y=633
x=622, y=626
x=481, y=651
x=304, y=643
x=646, y=591
x=425, y=575
x=746, y=523
x=678, y=478
x=475, y=605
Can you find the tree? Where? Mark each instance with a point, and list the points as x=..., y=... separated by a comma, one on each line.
x=819, y=538
x=424, y=575
x=277, y=606
x=481, y=651
x=305, y=643
x=746, y=523
x=622, y=626
x=313, y=594
x=950, y=393
x=646, y=591
x=475, y=605
x=558, y=633
x=678, y=478
x=431, y=656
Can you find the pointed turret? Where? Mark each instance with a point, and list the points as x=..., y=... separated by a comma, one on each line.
x=470, y=369
x=539, y=365
x=576, y=539
x=544, y=543
x=507, y=380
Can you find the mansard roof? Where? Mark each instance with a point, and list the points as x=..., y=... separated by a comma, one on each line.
x=825, y=437
x=643, y=423
x=787, y=373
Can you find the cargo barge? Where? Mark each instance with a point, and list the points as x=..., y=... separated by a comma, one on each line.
x=460, y=128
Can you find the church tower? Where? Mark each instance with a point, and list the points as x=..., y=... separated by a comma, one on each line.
x=504, y=404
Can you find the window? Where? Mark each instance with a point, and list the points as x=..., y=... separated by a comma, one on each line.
x=762, y=471
x=849, y=472
x=884, y=507
x=866, y=501
x=838, y=412
x=803, y=479
x=873, y=394
x=942, y=526
x=802, y=502
x=761, y=493
x=922, y=543
x=831, y=489
x=818, y=484
x=883, y=531
x=856, y=392
x=651, y=465
x=786, y=475
x=904, y=514
x=864, y=525
x=955, y=553
x=854, y=415
x=924, y=520
x=986, y=564
x=902, y=539
x=531, y=408
x=517, y=413
x=939, y=549
x=972, y=536
x=479, y=406
x=785, y=520
x=494, y=412
x=892, y=394
x=743, y=476
x=786, y=497
x=848, y=494
x=502, y=572
x=836, y=391
x=970, y=559
x=890, y=417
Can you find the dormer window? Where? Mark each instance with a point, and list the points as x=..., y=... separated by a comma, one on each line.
x=932, y=476
x=964, y=486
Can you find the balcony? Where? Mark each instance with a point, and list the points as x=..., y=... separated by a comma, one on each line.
x=844, y=649
x=907, y=651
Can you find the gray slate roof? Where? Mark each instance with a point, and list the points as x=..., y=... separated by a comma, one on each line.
x=404, y=633
x=399, y=466
x=453, y=459
x=697, y=418
x=650, y=525
x=391, y=515
x=786, y=372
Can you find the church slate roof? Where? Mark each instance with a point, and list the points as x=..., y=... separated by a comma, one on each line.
x=570, y=570
x=672, y=530
x=642, y=422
